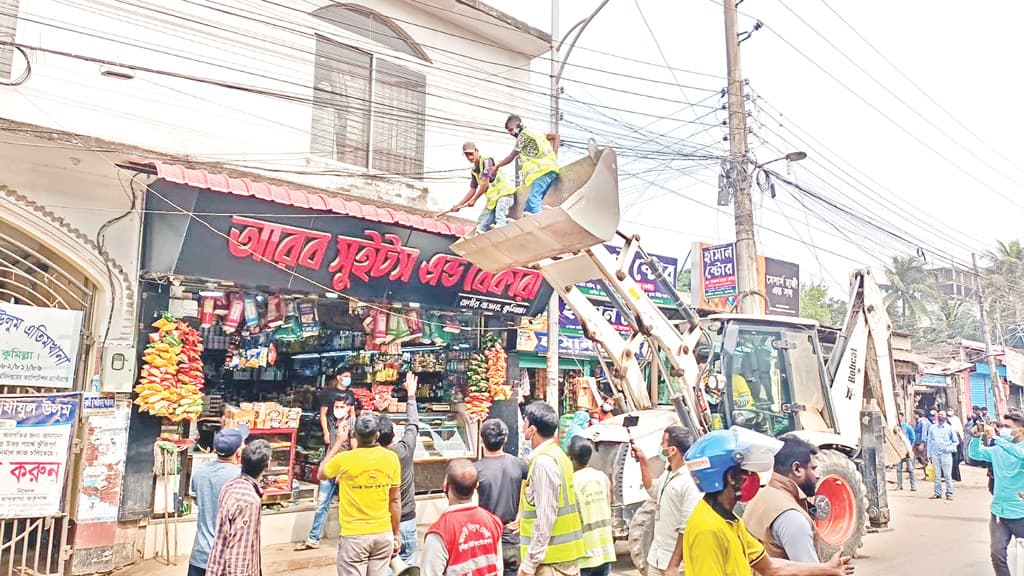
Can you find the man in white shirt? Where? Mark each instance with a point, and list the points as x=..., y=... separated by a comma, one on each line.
x=958, y=429
x=677, y=495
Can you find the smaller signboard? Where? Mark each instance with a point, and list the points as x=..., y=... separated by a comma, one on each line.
x=35, y=438
x=642, y=275
x=782, y=287
x=719, y=271
x=569, y=346
x=568, y=323
x=98, y=404
x=38, y=346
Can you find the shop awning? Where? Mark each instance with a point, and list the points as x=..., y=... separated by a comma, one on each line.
x=216, y=182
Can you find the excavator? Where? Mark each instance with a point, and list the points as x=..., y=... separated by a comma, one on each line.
x=762, y=372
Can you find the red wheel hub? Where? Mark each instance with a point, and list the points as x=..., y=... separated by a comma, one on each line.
x=837, y=510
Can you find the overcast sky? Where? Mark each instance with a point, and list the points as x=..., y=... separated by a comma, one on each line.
x=957, y=197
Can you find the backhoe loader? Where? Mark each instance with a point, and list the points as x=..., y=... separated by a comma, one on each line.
x=779, y=359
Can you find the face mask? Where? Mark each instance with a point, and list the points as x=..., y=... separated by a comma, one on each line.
x=346, y=381
x=749, y=488
x=517, y=130
x=662, y=456
x=1005, y=433
x=339, y=413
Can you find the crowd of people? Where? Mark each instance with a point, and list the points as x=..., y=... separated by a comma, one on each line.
x=549, y=514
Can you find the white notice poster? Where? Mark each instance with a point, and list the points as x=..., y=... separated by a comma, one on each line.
x=38, y=346
x=35, y=437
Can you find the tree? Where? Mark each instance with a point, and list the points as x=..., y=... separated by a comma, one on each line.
x=953, y=318
x=683, y=281
x=911, y=289
x=816, y=304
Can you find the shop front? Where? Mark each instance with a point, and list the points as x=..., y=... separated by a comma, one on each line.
x=281, y=292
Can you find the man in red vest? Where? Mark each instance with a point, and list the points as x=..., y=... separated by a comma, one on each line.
x=466, y=539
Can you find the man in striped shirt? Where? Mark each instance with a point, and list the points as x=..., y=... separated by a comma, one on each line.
x=236, y=547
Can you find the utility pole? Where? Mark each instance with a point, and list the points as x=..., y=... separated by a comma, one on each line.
x=553, y=360
x=996, y=382
x=743, y=205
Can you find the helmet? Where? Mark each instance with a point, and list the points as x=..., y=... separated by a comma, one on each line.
x=716, y=452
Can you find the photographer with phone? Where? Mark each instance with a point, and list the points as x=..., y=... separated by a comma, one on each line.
x=1004, y=449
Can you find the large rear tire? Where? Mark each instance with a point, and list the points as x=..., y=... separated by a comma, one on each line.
x=641, y=534
x=842, y=506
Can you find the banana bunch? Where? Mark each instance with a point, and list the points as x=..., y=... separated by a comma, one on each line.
x=171, y=379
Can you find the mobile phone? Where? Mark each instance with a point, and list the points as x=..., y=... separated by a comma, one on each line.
x=631, y=421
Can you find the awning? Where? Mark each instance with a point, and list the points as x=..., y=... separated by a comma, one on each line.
x=912, y=357
x=199, y=178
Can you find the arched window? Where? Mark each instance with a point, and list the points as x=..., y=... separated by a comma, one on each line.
x=367, y=110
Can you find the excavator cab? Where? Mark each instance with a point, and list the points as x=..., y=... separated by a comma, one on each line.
x=767, y=374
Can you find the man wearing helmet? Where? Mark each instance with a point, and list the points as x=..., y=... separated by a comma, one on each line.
x=726, y=465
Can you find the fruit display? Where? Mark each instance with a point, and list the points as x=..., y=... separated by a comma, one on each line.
x=497, y=362
x=478, y=400
x=171, y=379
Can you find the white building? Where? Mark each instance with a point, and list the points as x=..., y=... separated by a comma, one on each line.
x=370, y=100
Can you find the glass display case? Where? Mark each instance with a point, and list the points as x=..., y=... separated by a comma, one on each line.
x=442, y=436
x=277, y=480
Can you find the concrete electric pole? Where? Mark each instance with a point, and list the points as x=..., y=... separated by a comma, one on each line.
x=994, y=379
x=737, y=175
x=553, y=360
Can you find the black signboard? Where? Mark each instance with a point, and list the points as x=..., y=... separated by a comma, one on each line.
x=782, y=287
x=257, y=243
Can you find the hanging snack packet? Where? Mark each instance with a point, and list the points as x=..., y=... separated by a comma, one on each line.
x=380, y=327
x=207, y=316
x=235, y=311
x=252, y=313
x=412, y=321
x=275, y=311
x=307, y=316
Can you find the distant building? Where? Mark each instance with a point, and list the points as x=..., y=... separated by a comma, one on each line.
x=954, y=282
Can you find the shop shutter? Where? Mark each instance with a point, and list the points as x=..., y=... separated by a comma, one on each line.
x=981, y=393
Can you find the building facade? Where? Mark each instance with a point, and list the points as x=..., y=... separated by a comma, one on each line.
x=366, y=103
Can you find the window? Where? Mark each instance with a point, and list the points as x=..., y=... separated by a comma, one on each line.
x=368, y=111
x=8, y=26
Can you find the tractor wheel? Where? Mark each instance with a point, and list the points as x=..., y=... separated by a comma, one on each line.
x=842, y=506
x=641, y=534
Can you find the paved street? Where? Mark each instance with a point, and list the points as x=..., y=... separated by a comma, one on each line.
x=928, y=536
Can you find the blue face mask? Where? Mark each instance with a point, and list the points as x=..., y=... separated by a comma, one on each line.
x=662, y=456
x=346, y=381
x=1006, y=433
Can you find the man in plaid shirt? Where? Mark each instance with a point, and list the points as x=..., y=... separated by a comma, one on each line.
x=236, y=547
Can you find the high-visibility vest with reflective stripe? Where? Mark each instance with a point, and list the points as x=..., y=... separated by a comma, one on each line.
x=498, y=186
x=545, y=161
x=472, y=537
x=566, y=543
x=592, y=494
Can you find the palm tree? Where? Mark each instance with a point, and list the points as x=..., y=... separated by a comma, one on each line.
x=910, y=289
x=1004, y=280
x=953, y=318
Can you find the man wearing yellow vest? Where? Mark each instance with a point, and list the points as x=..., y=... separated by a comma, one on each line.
x=551, y=534
x=538, y=153
x=486, y=180
x=594, y=495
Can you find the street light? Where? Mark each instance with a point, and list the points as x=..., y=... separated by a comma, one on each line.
x=767, y=185
x=791, y=157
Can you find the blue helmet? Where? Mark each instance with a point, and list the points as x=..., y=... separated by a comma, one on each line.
x=716, y=452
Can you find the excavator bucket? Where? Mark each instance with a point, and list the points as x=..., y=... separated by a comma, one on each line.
x=580, y=210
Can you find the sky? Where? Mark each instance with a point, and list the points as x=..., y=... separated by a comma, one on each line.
x=905, y=109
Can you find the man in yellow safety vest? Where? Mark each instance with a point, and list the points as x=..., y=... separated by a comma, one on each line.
x=551, y=534
x=486, y=180
x=594, y=495
x=538, y=153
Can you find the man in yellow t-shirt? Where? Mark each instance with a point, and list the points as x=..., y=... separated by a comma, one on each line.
x=369, y=502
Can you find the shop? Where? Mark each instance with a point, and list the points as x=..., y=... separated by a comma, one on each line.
x=267, y=297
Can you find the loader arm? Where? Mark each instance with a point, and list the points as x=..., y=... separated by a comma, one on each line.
x=861, y=368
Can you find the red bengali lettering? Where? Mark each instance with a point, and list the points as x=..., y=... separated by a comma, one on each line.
x=380, y=256
x=34, y=470
x=444, y=269
x=271, y=242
